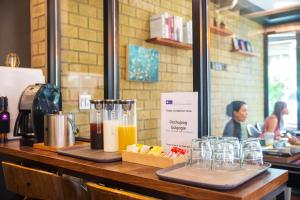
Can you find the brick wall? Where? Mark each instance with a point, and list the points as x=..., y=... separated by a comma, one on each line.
x=81, y=55
x=38, y=12
x=243, y=79
x=175, y=65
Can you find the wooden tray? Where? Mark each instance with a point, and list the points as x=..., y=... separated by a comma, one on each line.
x=214, y=179
x=42, y=146
x=86, y=153
x=151, y=160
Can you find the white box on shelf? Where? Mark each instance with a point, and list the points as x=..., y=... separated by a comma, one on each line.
x=179, y=29
x=188, y=32
x=158, y=25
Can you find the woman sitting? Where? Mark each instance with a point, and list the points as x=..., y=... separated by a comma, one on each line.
x=238, y=112
x=274, y=123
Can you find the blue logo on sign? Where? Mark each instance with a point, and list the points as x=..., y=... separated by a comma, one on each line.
x=169, y=102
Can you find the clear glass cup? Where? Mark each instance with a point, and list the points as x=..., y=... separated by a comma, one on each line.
x=236, y=148
x=269, y=138
x=251, y=152
x=200, y=154
x=212, y=140
x=223, y=155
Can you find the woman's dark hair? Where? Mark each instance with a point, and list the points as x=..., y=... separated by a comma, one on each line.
x=278, y=107
x=234, y=106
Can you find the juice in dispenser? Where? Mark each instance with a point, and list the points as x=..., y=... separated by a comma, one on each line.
x=127, y=129
x=96, y=124
x=110, y=123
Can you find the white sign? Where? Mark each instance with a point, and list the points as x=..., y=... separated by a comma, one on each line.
x=179, y=119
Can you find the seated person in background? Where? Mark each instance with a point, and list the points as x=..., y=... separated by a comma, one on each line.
x=274, y=123
x=238, y=112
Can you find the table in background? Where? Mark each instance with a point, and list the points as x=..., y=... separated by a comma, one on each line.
x=287, y=163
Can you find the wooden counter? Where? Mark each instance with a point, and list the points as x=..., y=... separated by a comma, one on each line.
x=144, y=176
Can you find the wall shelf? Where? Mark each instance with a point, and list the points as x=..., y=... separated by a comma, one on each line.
x=170, y=43
x=220, y=31
x=246, y=53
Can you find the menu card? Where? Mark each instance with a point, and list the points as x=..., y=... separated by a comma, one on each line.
x=179, y=117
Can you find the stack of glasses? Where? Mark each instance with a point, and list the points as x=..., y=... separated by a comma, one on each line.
x=224, y=153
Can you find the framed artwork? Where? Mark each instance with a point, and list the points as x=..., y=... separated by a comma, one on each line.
x=142, y=64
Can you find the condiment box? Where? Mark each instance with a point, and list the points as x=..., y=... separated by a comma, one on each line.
x=160, y=161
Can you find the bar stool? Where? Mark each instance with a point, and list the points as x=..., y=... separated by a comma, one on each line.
x=98, y=192
x=38, y=184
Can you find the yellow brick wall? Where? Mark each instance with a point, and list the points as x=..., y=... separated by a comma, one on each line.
x=175, y=65
x=243, y=79
x=81, y=55
x=38, y=14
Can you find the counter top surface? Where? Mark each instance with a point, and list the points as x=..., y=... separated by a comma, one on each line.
x=144, y=176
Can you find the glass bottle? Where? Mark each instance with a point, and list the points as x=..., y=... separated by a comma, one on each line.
x=127, y=129
x=110, y=123
x=96, y=124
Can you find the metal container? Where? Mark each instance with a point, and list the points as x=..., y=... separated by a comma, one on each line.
x=59, y=130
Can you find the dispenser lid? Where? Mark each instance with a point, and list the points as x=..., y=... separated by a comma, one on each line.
x=96, y=101
x=128, y=101
x=98, y=104
x=110, y=101
x=127, y=105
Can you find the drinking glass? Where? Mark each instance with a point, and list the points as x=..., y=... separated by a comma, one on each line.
x=223, y=155
x=269, y=138
x=251, y=152
x=236, y=149
x=200, y=154
x=212, y=140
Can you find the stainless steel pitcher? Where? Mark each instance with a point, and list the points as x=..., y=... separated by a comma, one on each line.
x=59, y=130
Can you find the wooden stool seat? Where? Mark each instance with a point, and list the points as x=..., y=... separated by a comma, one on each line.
x=98, y=192
x=38, y=184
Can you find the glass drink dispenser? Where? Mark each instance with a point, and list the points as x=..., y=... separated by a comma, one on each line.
x=110, y=123
x=96, y=124
x=127, y=129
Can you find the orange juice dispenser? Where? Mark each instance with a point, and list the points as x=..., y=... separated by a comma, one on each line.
x=127, y=129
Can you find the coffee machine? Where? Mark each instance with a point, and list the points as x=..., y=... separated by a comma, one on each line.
x=36, y=101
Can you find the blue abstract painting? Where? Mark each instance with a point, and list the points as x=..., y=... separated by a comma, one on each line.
x=142, y=64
